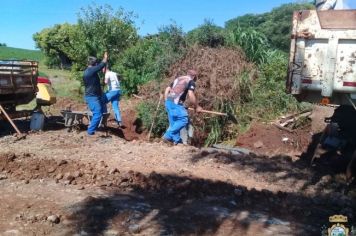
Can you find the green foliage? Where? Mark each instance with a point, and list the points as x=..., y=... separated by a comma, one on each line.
x=173, y=43
x=98, y=29
x=3, y=45
x=150, y=58
x=207, y=34
x=220, y=128
x=268, y=92
x=61, y=44
x=254, y=43
x=146, y=112
x=106, y=30
x=246, y=21
x=20, y=54
x=276, y=25
x=137, y=65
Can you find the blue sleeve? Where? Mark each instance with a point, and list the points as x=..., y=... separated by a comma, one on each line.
x=99, y=67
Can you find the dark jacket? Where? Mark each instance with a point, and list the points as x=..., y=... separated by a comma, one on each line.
x=92, y=80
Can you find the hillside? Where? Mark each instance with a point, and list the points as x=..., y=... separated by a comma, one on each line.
x=18, y=53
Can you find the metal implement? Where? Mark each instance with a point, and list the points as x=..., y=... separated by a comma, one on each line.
x=228, y=115
x=2, y=110
x=73, y=119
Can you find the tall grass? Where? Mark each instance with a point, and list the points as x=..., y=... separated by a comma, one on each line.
x=254, y=43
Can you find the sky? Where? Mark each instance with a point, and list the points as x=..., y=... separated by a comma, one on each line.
x=20, y=19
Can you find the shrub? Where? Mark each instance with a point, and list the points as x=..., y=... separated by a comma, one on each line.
x=150, y=58
x=147, y=111
x=137, y=65
x=268, y=92
x=208, y=35
x=254, y=43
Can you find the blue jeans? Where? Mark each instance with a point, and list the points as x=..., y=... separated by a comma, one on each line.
x=95, y=105
x=178, y=119
x=113, y=97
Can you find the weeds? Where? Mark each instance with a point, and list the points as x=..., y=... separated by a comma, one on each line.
x=146, y=111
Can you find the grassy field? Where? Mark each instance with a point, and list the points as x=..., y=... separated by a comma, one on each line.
x=20, y=54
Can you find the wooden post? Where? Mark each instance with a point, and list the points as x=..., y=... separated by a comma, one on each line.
x=154, y=117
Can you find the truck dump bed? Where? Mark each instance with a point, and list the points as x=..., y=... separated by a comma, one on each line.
x=322, y=61
x=18, y=81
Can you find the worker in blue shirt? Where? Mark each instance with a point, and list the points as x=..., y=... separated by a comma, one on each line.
x=93, y=91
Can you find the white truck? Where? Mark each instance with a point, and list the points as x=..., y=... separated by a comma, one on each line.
x=322, y=69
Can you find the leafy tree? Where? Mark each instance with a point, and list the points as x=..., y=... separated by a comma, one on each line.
x=150, y=57
x=278, y=26
x=99, y=28
x=3, y=45
x=173, y=37
x=246, y=21
x=137, y=64
x=62, y=44
x=208, y=34
x=275, y=25
x=107, y=30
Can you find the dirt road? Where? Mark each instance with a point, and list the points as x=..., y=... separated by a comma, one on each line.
x=65, y=183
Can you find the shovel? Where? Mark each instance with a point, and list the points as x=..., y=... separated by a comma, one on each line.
x=230, y=116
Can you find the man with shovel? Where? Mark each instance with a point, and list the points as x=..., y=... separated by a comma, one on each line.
x=93, y=92
x=175, y=96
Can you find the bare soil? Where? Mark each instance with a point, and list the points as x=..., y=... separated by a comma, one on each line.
x=117, y=184
x=270, y=140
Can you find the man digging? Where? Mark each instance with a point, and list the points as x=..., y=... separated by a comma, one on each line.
x=175, y=96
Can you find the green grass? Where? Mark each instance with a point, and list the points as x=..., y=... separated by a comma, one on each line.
x=20, y=54
x=64, y=85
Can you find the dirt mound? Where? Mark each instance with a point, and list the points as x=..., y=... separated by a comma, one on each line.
x=217, y=71
x=269, y=140
x=132, y=129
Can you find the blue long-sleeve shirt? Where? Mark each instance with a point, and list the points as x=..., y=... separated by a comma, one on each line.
x=92, y=80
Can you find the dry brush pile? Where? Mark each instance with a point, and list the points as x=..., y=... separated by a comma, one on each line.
x=224, y=79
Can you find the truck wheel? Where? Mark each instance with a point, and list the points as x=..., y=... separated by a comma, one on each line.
x=318, y=150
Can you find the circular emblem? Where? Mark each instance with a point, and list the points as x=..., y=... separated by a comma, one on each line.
x=338, y=231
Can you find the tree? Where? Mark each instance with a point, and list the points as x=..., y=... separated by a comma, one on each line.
x=275, y=25
x=208, y=34
x=62, y=44
x=107, y=30
x=150, y=57
x=99, y=29
x=246, y=21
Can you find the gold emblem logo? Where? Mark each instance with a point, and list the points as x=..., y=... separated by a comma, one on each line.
x=338, y=227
